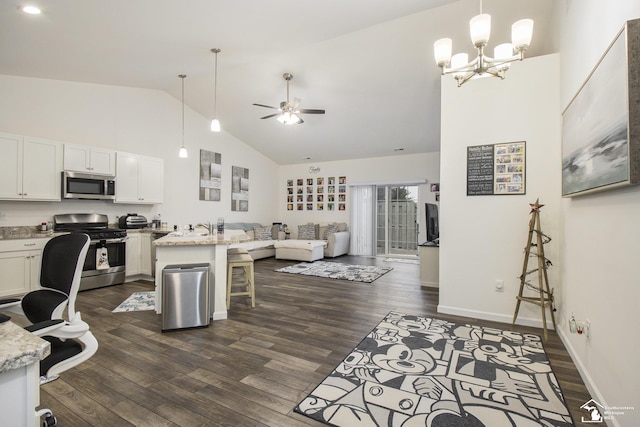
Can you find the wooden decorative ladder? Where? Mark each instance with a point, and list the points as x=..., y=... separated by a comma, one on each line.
x=536, y=249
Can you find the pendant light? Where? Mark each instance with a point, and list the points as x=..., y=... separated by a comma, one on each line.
x=183, y=151
x=215, y=123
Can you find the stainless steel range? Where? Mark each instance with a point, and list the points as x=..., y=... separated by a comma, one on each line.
x=110, y=271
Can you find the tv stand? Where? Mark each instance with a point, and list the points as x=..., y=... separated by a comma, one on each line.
x=429, y=265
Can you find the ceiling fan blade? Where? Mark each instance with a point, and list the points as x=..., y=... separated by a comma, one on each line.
x=301, y=121
x=310, y=111
x=266, y=106
x=270, y=115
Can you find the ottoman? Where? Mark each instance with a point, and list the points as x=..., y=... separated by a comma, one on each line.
x=300, y=250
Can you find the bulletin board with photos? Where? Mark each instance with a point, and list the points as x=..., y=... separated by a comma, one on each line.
x=496, y=169
x=319, y=194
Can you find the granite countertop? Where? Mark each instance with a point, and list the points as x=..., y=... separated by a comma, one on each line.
x=195, y=240
x=19, y=348
x=25, y=232
x=148, y=230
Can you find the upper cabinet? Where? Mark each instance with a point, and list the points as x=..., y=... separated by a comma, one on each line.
x=139, y=179
x=30, y=168
x=80, y=158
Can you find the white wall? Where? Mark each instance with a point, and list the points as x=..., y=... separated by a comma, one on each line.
x=138, y=121
x=601, y=232
x=380, y=170
x=487, y=234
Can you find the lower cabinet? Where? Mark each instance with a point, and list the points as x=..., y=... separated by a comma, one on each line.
x=138, y=255
x=20, y=265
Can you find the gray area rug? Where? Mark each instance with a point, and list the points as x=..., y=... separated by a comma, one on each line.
x=420, y=371
x=336, y=270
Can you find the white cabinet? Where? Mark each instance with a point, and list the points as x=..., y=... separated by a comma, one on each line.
x=139, y=179
x=429, y=266
x=20, y=261
x=30, y=168
x=133, y=255
x=145, y=254
x=138, y=254
x=81, y=158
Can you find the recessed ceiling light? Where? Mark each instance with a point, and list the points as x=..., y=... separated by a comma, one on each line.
x=31, y=10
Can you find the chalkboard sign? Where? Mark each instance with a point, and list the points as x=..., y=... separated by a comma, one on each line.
x=480, y=162
x=496, y=169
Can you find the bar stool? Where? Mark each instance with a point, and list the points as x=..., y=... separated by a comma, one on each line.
x=245, y=262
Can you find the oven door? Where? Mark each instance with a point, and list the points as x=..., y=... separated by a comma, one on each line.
x=104, y=264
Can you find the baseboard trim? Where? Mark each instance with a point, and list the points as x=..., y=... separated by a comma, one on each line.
x=594, y=391
x=495, y=317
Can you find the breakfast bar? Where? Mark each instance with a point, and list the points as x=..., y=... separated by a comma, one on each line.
x=190, y=249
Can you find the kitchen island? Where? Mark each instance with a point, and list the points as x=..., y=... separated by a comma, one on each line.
x=196, y=249
x=20, y=355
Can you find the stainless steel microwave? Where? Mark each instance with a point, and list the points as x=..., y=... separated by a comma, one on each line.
x=77, y=185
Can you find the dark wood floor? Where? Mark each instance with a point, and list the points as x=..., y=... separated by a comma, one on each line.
x=251, y=369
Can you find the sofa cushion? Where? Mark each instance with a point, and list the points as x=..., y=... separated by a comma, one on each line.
x=307, y=232
x=262, y=233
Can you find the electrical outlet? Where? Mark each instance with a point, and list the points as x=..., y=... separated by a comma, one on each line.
x=588, y=328
x=499, y=285
x=3, y=216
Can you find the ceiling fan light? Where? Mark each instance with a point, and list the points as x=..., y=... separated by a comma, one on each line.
x=215, y=125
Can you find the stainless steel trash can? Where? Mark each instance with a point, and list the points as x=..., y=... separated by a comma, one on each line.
x=185, y=296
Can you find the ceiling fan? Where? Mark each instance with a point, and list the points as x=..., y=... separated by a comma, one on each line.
x=288, y=112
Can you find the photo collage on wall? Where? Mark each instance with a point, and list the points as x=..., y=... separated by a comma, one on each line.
x=320, y=194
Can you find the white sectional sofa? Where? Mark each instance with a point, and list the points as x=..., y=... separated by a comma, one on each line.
x=255, y=238
x=315, y=241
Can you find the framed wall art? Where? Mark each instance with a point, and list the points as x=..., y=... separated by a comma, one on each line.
x=240, y=189
x=601, y=124
x=210, y=175
x=496, y=169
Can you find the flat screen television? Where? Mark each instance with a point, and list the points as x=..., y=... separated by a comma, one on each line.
x=433, y=229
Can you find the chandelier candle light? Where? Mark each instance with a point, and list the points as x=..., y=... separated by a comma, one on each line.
x=215, y=123
x=480, y=28
x=183, y=151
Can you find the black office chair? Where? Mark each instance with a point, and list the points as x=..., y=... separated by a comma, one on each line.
x=71, y=341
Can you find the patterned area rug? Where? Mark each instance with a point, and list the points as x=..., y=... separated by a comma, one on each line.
x=418, y=371
x=336, y=270
x=402, y=260
x=138, y=301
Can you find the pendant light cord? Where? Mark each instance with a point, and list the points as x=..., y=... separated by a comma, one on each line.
x=182, y=76
x=215, y=86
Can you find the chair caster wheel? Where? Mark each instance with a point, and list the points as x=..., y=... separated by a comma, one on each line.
x=49, y=421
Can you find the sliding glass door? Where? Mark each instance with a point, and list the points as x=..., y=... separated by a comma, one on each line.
x=397, y=220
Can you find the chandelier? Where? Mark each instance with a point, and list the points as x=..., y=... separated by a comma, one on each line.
x=480, y=28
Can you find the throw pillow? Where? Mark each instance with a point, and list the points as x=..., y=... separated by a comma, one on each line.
x=331, y=228
x=307, y=232
x=262, y=233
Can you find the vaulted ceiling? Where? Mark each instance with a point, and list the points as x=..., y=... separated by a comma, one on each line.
x=368, y=63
